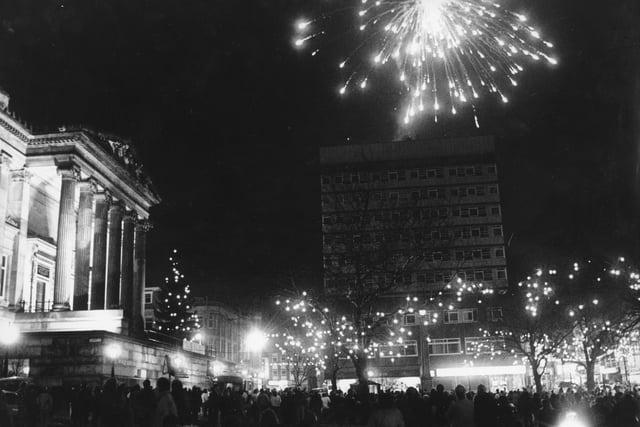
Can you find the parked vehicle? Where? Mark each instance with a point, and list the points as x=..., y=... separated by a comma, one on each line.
x=13, y=383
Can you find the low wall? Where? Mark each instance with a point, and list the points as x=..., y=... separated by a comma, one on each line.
x=71, y=358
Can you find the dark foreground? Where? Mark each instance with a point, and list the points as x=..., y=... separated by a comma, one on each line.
x=170, y=405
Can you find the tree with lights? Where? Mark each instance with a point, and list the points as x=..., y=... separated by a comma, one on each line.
x=600, y=311
x=577, y=315
x=302, y=346
x=569, y=315
x=301, y=366
x=173, y=308
x=530, y=327
x=373, y=247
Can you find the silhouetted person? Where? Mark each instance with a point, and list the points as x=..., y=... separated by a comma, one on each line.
x=386, y=415
x=460, y=413
x=166, y=414
x=485, y=408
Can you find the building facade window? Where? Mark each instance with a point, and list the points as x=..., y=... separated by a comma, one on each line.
x=443, y=346
x=148, y=298
x=483, y=345
x=451, y=316
x=3, y=275
x=409, y=319
x=406, y=349
x=468, y=315
x=495, y=314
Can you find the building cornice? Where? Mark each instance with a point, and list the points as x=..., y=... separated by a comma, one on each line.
x=117, y=154
x=14, y=128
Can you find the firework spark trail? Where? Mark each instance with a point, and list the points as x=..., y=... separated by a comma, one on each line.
x=448, y=53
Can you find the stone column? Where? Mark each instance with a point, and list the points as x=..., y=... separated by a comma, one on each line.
x=63, y=284
x=113, y=255
x=18, y=213
x=139, y=275
x=5, y=177
x=99, y=264
x=126, y=281
x=83, y=246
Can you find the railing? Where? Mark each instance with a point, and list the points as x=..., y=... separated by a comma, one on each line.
x=38, y=307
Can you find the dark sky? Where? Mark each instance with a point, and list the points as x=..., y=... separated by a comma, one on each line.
x=228, y=116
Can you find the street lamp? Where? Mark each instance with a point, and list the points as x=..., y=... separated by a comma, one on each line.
x=178, y=361
x=8, y=338
x=113, y=352
x=256, y=341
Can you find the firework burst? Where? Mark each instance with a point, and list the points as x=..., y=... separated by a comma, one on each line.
x=447, y=53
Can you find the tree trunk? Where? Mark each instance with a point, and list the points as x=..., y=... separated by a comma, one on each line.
x=537, y=378
x=334, y=379
x=590, y=367
x=360, y=365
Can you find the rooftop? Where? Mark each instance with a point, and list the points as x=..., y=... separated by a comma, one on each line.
x=407, y=150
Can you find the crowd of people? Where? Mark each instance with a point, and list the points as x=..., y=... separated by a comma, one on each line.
x=169, y=404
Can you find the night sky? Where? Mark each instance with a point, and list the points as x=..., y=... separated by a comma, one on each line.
x=227, y=117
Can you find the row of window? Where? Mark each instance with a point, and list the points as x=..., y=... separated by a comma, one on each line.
x=469, y=274
x=445, y=346
x=395, y=175
x=472, y=345
x=279, y=372
x=474, y=211
x=386, y=216
x=478, y=253
x=403, y=197
x=467, y=315
x=473, y=191
x=347, y=259
x=464, y=315
x=419, y=236
x=422, y=278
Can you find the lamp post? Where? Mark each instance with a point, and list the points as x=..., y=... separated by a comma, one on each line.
x=255, y=341
x=8, y=338
x=113, y=352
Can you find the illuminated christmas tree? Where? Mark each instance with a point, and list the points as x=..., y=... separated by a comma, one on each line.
x=173, y=308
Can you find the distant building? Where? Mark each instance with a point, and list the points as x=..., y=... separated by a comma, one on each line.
x=438, y=203
x=223, y=329
x=224, y=333
x=278, y=370
x=443, y=194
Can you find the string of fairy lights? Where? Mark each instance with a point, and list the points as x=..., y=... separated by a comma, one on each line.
x=552, y=315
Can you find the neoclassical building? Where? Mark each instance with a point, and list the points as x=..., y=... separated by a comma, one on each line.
x=74, y=208
x=74, y=211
